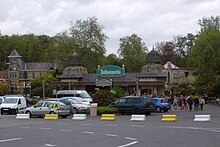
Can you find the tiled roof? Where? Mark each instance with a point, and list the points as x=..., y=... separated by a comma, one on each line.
x=38, y=66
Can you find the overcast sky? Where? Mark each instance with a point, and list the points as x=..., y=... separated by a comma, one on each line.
x=152, y=20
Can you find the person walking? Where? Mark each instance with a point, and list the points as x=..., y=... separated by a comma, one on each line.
x=190, y=102
x=201, y=102
x=196, y=104
x=175, y=103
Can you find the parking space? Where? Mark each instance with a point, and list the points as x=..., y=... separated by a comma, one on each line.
x=121, y=132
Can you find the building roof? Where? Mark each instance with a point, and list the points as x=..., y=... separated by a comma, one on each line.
x=38, y=66
x=153, y=57
x=75, y=60
x=14, y=54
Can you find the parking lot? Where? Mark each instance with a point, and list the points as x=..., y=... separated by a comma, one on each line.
x=92, y=132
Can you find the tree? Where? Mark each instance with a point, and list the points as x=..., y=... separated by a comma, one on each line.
x=133, y=51
x=112, y=59
x=90, y=41
x=209, y=22
x=4, y=88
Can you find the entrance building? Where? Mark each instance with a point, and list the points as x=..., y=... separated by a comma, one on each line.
x=150, y=81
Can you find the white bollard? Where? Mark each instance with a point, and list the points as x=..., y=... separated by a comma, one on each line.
x=138, y=117
x=202, y=118
x=23, y=116
x=79, y=117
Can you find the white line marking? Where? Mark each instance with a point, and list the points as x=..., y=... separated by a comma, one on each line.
x=140, y=126
x=109, y=125
x=66, y=130
x=193, y=128
x=129, y=144
x=12, y=139
x=113, y=135
x=47, y=144
x=45, y=128
x=130, y=138
x=86, y=124
x=86, y=132
x=63, y=123
x=23, y=127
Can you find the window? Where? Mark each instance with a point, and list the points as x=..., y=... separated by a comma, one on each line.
x=13, y=87
x=19, y=101
x=129, y=101
x=30, y=75
x=121, y=101
x=12, y=74
x=137, y=100
x=39, y=104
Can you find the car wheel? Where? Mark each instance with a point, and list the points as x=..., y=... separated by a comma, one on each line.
x=28, y=112
x=64, y=116
x=75, y=111
x=148, y=113
x=52, y=112
x=16, y=111
x=158, y=109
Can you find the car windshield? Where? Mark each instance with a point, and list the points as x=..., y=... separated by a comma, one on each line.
x=10, y=101
x=74, y=101
x=85, y=95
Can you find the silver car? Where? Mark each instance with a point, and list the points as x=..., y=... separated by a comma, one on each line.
x=78, y=106
x=47, y=107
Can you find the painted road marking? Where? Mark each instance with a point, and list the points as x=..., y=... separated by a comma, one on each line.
x=112, y=135
x=12, y=139
x=23, y=127
x=66, y=130
x=45, y=128
x=130, y=138
x=193, y=128
x=110, y=125
x=63, y=124
x=86, y=124
x=47, y=144
x=86, y=132
x=140, y=126
x=129, y=144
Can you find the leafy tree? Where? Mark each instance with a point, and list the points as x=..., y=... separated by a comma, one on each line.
x=103, y=97
x=37, y=84
x=112, y=59
x=209, y=22
x=133, y=51
x=90, y=41
x=4, y=88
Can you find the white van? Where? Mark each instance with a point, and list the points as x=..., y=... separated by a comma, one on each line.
x=74, y=93
x=13, y=104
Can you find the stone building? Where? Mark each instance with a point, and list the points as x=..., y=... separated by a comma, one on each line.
x=19, y=73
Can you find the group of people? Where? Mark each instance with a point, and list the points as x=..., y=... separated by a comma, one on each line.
x=187, y=102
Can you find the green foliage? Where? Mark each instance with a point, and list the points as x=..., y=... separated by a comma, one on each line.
x=37, y=85
x=105, y=110
x=133, y=51
x=118, y=92
x=103, y=97
x=4, y=88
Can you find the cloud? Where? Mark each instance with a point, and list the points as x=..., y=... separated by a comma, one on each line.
x=152, y=20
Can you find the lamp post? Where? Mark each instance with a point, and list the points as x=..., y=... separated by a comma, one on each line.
x=43, y=90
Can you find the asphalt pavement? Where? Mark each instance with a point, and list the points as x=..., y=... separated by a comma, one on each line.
x=92, y=132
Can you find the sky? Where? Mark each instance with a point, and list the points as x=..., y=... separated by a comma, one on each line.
x=152, y=20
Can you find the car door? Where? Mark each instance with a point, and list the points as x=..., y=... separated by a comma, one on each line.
x=46, y=108
x=36, y=109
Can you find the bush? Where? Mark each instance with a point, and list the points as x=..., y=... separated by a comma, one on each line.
x=104, y=110
x=103, y=97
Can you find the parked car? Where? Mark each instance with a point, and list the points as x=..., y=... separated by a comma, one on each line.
x=78, y=107
x=81, y=100
x=65, y=101
x=134, y=104
x=47, y=107
x=13, y=104
x=1, y=99
x=75, y=93
x=161, y=104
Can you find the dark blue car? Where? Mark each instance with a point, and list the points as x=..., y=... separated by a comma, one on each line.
x=161, y=105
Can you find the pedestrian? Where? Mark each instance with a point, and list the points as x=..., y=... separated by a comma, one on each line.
x=175, y=103
x=196, y=104
x=201, y=102
x=190, y=102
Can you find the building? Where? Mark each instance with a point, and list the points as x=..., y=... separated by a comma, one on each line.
x=150, y=81
x=20, y=73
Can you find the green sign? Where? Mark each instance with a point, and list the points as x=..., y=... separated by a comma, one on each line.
x=111, y=71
